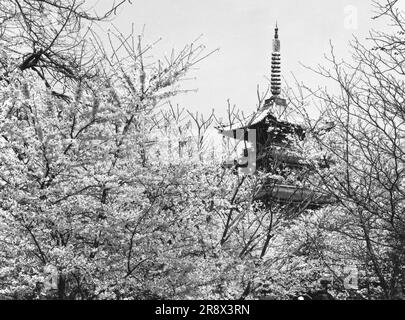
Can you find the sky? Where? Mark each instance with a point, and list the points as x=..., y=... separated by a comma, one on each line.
x=243, y=32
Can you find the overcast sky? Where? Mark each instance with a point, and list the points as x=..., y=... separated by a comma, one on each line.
x=243, y=30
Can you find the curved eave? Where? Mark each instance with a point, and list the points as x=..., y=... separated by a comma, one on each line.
x=293, y=194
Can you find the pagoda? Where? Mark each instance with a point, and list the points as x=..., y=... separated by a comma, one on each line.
x=273, y=149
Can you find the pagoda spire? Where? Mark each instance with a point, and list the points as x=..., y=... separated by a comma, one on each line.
x=276, y=65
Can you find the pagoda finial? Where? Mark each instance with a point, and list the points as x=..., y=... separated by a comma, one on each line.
x=276, y=32
x=276, y=65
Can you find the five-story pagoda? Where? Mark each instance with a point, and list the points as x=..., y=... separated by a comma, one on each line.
x=273, y=151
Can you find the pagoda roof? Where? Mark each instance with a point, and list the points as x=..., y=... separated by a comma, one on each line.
x=254, y=120
x=248, y=122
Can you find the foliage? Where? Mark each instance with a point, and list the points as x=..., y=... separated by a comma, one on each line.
x=107, y=191
x=362, y=147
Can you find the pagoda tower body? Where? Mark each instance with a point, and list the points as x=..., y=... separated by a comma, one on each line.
x=274, y=150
